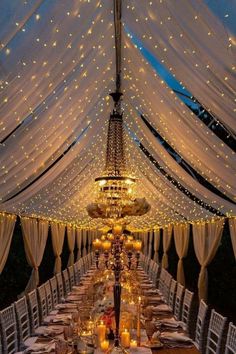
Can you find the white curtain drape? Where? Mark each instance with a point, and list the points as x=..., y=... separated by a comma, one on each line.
x=156, y=245
x=35, y=234
x=167, y=236
x=78, y=243
x=232, y=226
x=150, y=247
x=145, y=242
x=181, y=237
x=84, y=238
x=58, y=235
x=7, y=224
x=71, y=244
x=206, y=240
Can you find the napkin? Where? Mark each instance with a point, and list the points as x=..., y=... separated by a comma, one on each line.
x=175, y=337
x=42, y=347
x=161, y=308
x=66, y=306
x=172, y=322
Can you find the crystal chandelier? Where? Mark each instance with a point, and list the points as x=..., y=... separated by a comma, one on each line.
x=116, y=187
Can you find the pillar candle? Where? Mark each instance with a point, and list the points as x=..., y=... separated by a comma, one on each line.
x=125, y=338
x=101, y=331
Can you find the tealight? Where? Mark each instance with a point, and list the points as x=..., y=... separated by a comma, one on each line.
x=104, y=345
x=133, y=343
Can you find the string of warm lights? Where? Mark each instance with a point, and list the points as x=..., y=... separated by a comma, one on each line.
x=52, y=99
x=194, y=46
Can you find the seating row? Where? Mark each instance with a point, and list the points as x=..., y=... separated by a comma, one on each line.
x=207, y=339
x=22, y=321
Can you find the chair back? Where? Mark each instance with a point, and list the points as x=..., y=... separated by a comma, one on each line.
x=9, y=330
x=71, y=276
x=66, y=280
x=43, y=309
x=230, y=347
x=166, y=286
x=178, y=301
x=200, y=326
x=215, y=333
x=187, y=307
x=49, y=299
x=76, y=272
x=53, y=285
x=23, y=321
x=33, y=310
x=60, y=286
x=171, y=300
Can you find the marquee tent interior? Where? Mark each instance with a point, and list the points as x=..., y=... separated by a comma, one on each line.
x=57, y=69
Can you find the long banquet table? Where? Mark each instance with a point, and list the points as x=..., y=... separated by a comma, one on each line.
x=92, y=302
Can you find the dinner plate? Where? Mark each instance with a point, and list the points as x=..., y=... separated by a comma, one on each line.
x=153, y=345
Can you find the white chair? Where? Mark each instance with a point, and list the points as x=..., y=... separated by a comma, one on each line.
x=77, y=275
x=66, y=280
x=23, y=323
x=166, y=286
x=178, y=301
x=60, y=286
x=171, y=300
x=200, y=326
x=187, y=308
x=9, y=330
x=215, y=333
x=162, y=280
x=71, y=276
x=43, y=309
x=34, y=313
x=155, y=274
x=49, y=300
x=230, y=347
x=53, y=285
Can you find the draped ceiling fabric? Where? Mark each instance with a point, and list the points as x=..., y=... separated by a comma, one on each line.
x=57, y=67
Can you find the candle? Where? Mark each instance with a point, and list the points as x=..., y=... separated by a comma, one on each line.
x=125, y=338
x=101, y=331
x=106, y=245
x=97, y=244
x=117, y=229
x=137, y=245
x=128, y=245
x=133, y=343
x=104, y=345
x=139, y=321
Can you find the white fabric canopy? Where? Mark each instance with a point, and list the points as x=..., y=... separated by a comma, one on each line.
x=57, y=64
x=192, y=43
